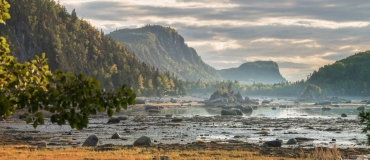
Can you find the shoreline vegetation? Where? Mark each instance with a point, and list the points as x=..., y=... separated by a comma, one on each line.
x=199, y=151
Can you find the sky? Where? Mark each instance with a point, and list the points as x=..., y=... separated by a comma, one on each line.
x=300, y=35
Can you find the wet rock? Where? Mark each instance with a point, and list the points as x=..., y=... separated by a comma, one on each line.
x=326, y=109
x=255, y=107
x=140, y=101
x=283, y=106
x=273, y=108
x=116, y=136
x=143, y=141
x=362, y=108
x=174, y=100
x=344, y=115
x=154, y=111
x=22, y=117
x=168, y=116
x=41, y=145
x=152, y=107
x=177, y=120
x=265, y=101
x=91, y=141
x=274, y=143
x=349, y=101
x=333, y=140
x=323, y=103
x=245, y=110
x=291, y=142
x=303, y=139
x=230, y=112
x=113, y=120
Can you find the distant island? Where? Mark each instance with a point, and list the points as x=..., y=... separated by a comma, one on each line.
x=254, y=72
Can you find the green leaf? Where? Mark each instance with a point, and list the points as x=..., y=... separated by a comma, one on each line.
x=110, y=112
x=28, y=120
x=35, y=124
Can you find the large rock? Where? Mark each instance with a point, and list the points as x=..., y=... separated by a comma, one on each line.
x=116, y=136
x=362, y=108
x=291, y=142
x=113, y=120
x=91, y=141
x=233, y=112
x=140, y=101
x=246, y=110
x=239, y=97
x=274, y=143
x=265, y=101
x=143, y=141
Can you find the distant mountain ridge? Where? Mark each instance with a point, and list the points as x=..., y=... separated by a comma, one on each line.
x=163, y=48
x=254, y=72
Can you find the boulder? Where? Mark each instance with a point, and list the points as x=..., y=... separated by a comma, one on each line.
x=291, y=142
x=232, y=112
x=362, y=108
x=265, y=101
x=245, y=110
x=274, y=143
x=143, y=141
x=173, y=100
x=176, y=120
x=91, y=141
x=344, y=115
x=323, y=103
x=152, y=107
x=113, y=120
x=154, y=111
x=239, y=97
x=140, y=101
x=116, y=136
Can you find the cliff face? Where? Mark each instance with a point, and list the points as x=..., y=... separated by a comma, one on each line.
x=254, y=72
x=163, y=48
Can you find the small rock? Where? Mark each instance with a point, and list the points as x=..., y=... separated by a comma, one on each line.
x=333, y=140
x=344, y=115
x=291, y=142
x=116, y=136
x=177, y=120
x=91, y=141
x=113, y=120
x=143, y=141
x=22, y=117
x=168, y=115
x=275, y=143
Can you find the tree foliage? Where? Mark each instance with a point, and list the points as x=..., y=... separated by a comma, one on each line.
x=68, y=97
x=73, y=45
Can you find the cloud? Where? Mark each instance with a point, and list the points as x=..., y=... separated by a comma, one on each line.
x=299, y=35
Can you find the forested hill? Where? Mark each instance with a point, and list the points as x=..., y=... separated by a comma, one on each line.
x=349, y=76
x=254, y=72
x=74, y=45
x=164, y=48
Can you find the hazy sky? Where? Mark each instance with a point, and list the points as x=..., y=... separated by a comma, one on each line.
x=300, y=35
